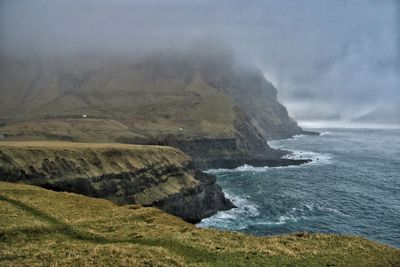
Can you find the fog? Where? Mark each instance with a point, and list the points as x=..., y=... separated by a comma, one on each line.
x=329, y=59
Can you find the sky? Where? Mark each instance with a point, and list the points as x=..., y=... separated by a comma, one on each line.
x=328, y=59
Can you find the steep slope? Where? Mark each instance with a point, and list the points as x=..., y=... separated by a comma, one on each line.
x=256, y=96
x=41, y=227
x=181, y=99
x=125, y=174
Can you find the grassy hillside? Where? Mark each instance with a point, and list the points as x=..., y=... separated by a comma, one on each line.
x=73, y=129
x=148, y=97
x=41, y=227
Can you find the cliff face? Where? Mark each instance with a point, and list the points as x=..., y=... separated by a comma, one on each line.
x=255, y=95
x=147, y=175
x=197, y=101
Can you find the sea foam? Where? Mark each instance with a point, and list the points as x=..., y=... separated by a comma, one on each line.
x=316, y=158
x=233, y=219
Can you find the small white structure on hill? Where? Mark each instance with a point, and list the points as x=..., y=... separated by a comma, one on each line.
x=84, y=116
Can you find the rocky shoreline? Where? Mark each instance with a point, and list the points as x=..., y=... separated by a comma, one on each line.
x=234, y=163
x=157, y=176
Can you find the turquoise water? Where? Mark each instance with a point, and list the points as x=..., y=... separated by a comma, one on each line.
x=351, y=187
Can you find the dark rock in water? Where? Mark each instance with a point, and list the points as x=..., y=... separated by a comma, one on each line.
x=201, y=202
x=310, y=133
x=234, y=163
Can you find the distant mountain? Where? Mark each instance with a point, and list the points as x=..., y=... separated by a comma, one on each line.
x=201, y=101
x=387, y=114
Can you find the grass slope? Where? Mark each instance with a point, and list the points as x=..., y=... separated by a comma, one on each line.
x=46, y=100
x=41, y=227
x=113, y=156
x=84, y=130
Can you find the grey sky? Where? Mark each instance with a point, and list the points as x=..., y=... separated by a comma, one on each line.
x=325, y=57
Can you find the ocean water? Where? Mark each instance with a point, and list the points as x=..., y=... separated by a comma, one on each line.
x=352, y=186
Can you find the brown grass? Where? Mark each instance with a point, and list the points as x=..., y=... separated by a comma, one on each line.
x=41, y=227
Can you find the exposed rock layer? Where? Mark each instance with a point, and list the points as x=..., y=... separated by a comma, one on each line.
x=147, y=175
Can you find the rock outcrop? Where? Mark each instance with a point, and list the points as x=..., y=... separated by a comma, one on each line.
x=156, y=176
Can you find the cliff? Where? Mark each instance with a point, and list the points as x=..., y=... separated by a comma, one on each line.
x=39, y=227
x=195, y=100
x=156, y=176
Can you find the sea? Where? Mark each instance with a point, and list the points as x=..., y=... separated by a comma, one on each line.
x=351, y=187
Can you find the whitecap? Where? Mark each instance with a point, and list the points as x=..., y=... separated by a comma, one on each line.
x=285, y=218
x=316, y=158
x=325, y=133
x=233, y=219
x=243, y=168
x=298, y=136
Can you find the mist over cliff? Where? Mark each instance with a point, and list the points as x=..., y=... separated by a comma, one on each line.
x=199, y=99
x=328, y=59
x=382, y=114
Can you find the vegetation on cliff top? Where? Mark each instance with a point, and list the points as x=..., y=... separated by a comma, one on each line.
x=93, y=158
x=41, y=227
x=71, y=166
x=124, y=174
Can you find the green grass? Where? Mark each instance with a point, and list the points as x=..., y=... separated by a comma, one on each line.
x=123, y=101
x=41, y=227
x=69, y=129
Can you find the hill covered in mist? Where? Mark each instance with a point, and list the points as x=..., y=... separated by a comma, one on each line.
x=200, y=100
x=383, y=114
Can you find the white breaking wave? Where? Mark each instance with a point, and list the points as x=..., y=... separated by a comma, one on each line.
x=243, y=168
x=234, y=219
x=247, y=214
x=325, y=133
x=316, y=158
